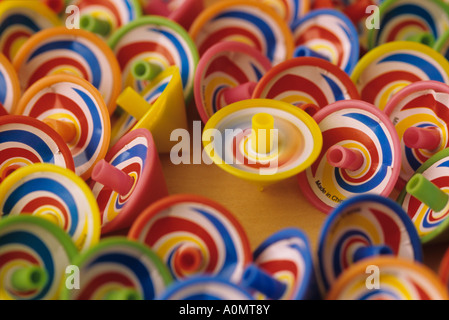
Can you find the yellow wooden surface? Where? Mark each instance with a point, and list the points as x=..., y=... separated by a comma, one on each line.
x=260, y=213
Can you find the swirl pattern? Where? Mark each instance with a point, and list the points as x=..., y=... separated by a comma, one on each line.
x=133, y=156
x=250, y=22
x=199, y=224
x=361, y=127
x=331, y=34
x=68, y=98
x=225, y=66
x=306, y=81
x=56, y=194
x=20, y=20
x=27, y=241
x=425, y=219
x=392, y=66
x=76, y=52
x=25, y=141
x=130, y=160
x=116, y=264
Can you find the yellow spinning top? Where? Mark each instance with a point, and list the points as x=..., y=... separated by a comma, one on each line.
x=262, y=140
x=160, y=108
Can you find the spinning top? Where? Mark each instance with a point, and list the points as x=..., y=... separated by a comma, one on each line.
x=282, y=268
x=421, y=21
x=119, y=269
x=251, y=22
x=205, y=288
x=160, y=109
x=21, y=19
x=262, y=141
x=128, y=180
x=426, y=199
x=194, y=236
x=385, y=70
x=56, y=194
x=419, y=113
x=74, y=109
x=149, y=45
x=70, y=51
x=362, y=227
x=104, y=17
x=227, y=72
x=25, y=141
x=327, y=34
x=305, y=81
x=398, y=279
x=360, y=154
x=34, y=255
